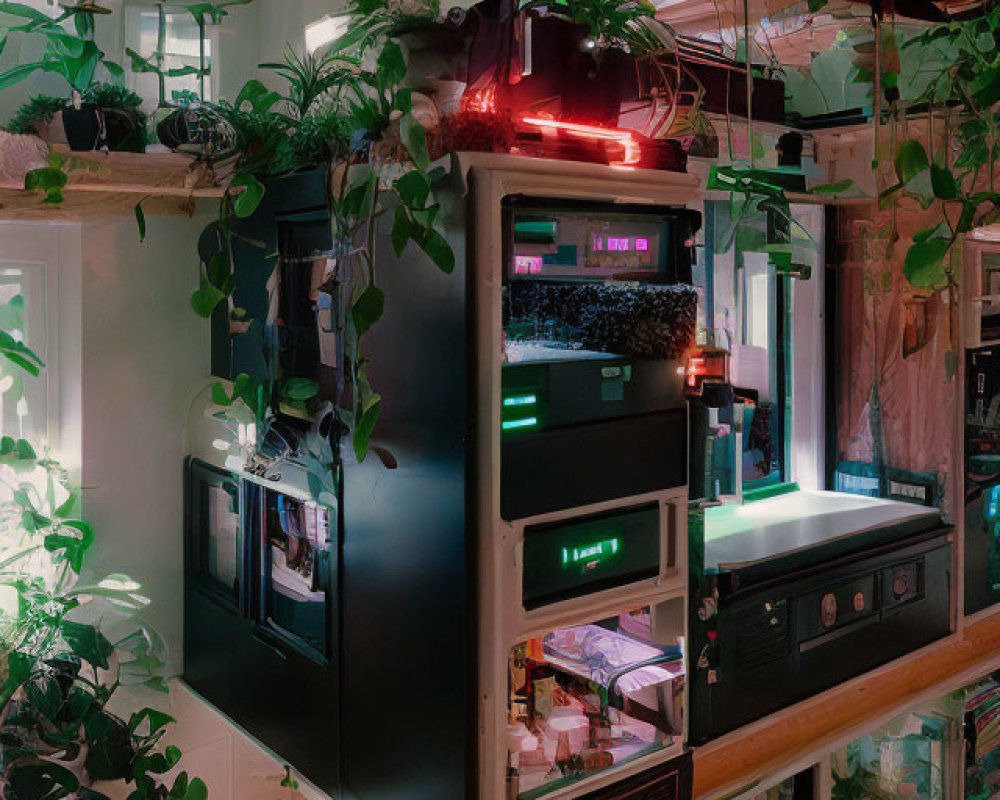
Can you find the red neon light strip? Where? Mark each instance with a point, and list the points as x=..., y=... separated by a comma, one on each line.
x=632, y=155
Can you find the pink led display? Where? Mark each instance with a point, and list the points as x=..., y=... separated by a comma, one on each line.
x=597, y=243
x=527, y=265
x=618, y=244
x=642, y=244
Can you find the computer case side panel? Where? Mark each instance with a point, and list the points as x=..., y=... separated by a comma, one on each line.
x=408, y=610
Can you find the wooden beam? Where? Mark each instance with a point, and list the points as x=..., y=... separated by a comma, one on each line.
x=762, y=748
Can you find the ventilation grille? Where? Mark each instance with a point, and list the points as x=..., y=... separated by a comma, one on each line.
x=761, y=633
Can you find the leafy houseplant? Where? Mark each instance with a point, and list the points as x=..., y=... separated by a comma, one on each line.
x=367, y=115
x=75, y=57
x=961, y=176
x=124, y=120
x=35, y=116
x=58, y=669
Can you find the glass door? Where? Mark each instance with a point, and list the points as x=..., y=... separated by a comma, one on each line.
x=218, y=546
x=296, y=570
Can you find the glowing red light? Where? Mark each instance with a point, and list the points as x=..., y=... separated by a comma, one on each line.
x=481, y=101
x=696, y=368
x=632, y=150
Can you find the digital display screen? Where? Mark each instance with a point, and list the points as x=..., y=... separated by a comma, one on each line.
x=527, y=265
x=590, y=552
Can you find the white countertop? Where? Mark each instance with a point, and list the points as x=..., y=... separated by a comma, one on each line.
x=740, y=535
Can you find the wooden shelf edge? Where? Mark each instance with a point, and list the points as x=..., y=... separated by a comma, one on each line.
x=132, y=188
x=763, y=748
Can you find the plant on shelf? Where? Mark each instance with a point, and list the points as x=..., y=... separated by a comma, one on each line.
x=34, y=117
x=612, y=23
x=356, y=123
x=75, y=56
x=59, y=670
x=959, y=177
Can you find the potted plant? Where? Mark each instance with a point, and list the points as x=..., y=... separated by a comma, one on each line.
x=124, y=121
x=75, y=57
x=38, y=117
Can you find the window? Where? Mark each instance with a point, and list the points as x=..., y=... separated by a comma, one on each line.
x=748, y=311
x=23, y=398
x=170, y=38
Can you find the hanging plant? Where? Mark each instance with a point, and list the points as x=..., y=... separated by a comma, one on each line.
x=961, y=179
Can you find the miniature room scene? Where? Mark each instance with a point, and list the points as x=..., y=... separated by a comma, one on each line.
x=499, y=400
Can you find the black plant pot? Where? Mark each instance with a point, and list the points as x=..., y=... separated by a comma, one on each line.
x=83, y=127
x=125, y=130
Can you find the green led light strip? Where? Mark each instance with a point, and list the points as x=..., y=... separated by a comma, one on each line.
x=520, y=400
x=527, y=422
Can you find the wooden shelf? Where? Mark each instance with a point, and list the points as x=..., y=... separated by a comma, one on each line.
x=110, y=184
x=764, y=748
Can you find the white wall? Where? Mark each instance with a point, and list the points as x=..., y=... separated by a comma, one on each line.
x=145, y=354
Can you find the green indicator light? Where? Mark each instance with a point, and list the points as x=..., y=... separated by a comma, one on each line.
x=591, y=552
x=520, y=400
x=527, y=422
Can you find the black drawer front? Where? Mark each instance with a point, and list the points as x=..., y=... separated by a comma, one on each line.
x=670, y=781
x=820, y=613
x=578, y=465
x=908, y=592
x=587, y=554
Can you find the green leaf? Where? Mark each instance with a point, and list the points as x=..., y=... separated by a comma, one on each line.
x=140, y=218
x=367, y=309
x=206, y=298
x=986, y=88
x=219, y=395
x=19, y=73
x=985, y=42
x=414, y=139
x=365, y=428
x=87, y=642
x=140, y=64
x=833, y=188
x=924, y=263
x=40, y=780
x=109, y=748
x=219, y=272
x=300, y=389
x=391, y=66
x=402, y=230
x=943, y=182
x=156, y=720
x=197, y=790
x=413, y=189
x=248, y=200
x=910, y=161
x=437, y=247
x=974, y=155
